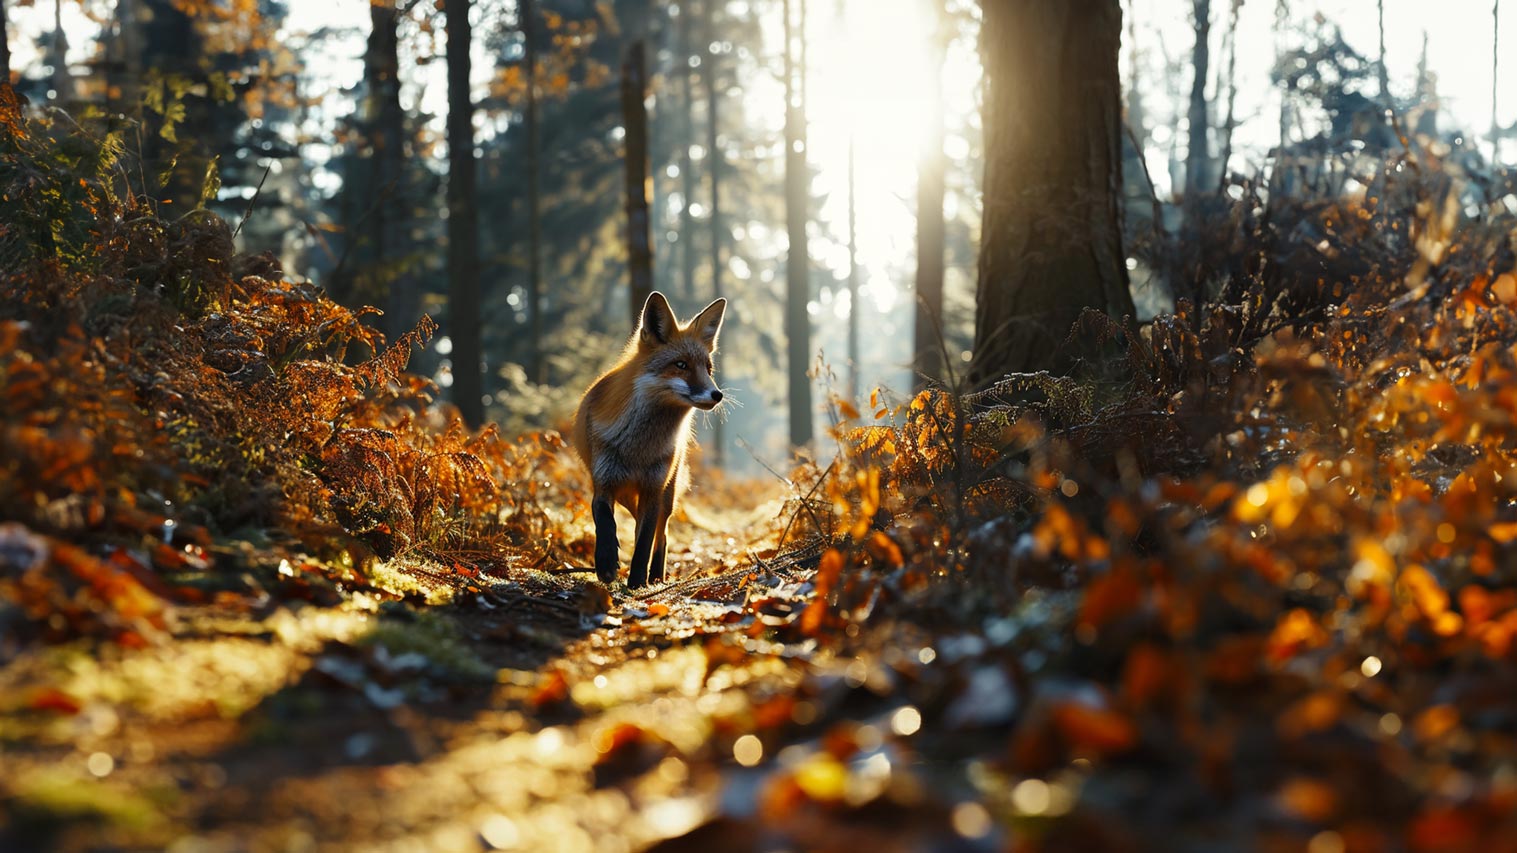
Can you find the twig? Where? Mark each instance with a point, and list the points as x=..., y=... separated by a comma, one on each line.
x=1153, y=191
x=806, y=505
x=249, y=212
x=743, y=443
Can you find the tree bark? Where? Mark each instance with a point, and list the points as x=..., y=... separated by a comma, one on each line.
x=1427, y=95
x=463, y=220
x=1051, y=242
x=388, y=208
x=714, y=166
x=1495, y=77
x=635, y=124
x=1282, y=20
x=1230, y=123
x=1198, y=158
x=535, y=362
x=927, y=345
x=1137, y=116
x=63, y=83
x=688, y=187
x=5, y=45
x=797, y=215
x=1383, y=72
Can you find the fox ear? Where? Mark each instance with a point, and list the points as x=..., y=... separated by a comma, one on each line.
x=709, y=322
x=658, y=321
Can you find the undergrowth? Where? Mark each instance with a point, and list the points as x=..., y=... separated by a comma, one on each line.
x=1285, y=545
x=175, y=414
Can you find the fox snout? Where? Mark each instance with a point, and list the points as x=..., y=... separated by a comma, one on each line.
x=697, y=393
x=707, y=400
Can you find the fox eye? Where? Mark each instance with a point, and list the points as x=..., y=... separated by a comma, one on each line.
x=682, y=365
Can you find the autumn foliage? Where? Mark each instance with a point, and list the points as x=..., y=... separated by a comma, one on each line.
x=1258, y=571
x=1281, y=544
x=176, y=414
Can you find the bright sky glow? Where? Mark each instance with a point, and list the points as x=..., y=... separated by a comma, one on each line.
x=1459, y=46
x=871, y=81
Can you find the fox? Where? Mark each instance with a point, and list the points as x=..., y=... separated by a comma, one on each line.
x=632, y=431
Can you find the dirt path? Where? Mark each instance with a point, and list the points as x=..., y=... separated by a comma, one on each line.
x=537, y=713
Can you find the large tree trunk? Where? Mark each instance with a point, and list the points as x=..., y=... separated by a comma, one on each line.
x=1051, y=243
x=1198, y=159
x=928, y=343
x=797, y=215
x=463, y=221
x=535, y=362
x=635, y=122
x=714, y=166
x=389, y=205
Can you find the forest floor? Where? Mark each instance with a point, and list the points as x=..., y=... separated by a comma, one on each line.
x=539, y=712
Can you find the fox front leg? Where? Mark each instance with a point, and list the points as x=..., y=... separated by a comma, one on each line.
x=648, y=506
x=604, y=514
x=661, y=540
x=656, y=563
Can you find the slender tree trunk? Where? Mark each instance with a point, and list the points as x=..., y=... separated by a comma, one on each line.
x=1051, y=242
x=1198, y=159
x=657, y=133
x=1384, y=72
x=1495, y=78
x=714, y=166
x=635, y=123
x=1229, y=125
x=1427, y=95
x=927, y=345
x=688, y=186
x=535, y=362
x=463, y=221
x=1280, y=178
x=853, y=274
x=120, y=93
x=5, y=45
x=797, y=215
x=1137, y=118
x=63, y=84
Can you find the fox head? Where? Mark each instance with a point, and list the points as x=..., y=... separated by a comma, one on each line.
x=676, y=359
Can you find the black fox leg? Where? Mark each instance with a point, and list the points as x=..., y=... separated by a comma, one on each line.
x=661, y=540
x=642, y=549
x=605, y=538
x=656, y=563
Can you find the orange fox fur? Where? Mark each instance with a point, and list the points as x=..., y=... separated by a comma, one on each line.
x=633, y=430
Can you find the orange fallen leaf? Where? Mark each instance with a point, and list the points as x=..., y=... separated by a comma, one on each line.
x=1308, y=799
x=1102, y=730
x=54, y=700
